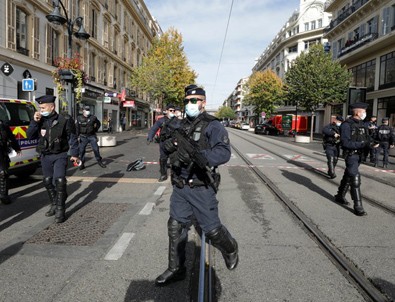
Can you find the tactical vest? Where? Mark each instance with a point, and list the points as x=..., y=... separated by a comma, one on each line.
x=195, y=130
x=359, y=132
x=165, y=131
x=384, y=133
x=87, y=124
x=331, y=140
x=53, y=137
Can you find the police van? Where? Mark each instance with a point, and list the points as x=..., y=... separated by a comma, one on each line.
x=17, y=114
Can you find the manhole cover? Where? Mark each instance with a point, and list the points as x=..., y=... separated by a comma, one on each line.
x=83, y=227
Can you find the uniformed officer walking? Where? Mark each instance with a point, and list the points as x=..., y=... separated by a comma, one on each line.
x=165, y=132
x=354, y=137
x=7, y=141
x=87, y=126
x=194, y=193
x=331, y=142
x=384, y=138
x=372, y=126
x=56, y=136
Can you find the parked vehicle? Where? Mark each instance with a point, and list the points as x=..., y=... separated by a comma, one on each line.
x=266, y=128
x=17, y=114
x=244, y=126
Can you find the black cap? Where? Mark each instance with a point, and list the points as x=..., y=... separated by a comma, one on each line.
x=359, y=105
x=339, y=118
x=177, y=108
x=87, y=108
x=45, y=99
x=385, y=119
x=169, y=106
x=195, y=91
x=189, y=87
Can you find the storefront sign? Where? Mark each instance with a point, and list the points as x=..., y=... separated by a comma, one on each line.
x=107, y=100
x=129, y=104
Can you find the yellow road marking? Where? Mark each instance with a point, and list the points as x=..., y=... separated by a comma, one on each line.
x=112, y=179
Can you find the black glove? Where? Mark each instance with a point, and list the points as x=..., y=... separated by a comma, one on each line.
x=183, y=156
x=169, y=146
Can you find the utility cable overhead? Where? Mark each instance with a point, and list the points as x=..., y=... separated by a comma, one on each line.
x=222, y=51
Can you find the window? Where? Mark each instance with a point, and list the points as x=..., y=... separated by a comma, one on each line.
x=387, y=71
x=385, y=25
x=36, y=38
x=319, y=23
x=93, y=23
x=363, y=75
x=293, y=49
x=21, y=32
x=11, y=44
x=313, y=24
x=52, y=45
x=92, y=67
x=105, y=34
x=306, y=26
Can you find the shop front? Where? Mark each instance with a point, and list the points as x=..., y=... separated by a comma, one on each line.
x=134, y=113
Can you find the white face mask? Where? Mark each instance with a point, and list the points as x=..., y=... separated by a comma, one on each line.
x=87, y=113
x=171, y=115
x=45, y=113
x=192, y=110
x=338, y=124
x=363, y=116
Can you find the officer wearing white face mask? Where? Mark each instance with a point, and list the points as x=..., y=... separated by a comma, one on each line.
x=193, y=194
x=354, y=137
x=331, y=143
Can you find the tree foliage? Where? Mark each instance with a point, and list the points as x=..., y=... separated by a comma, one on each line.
x=314, y=79
x=264, y=91
x=225, y=113
x=165, y=70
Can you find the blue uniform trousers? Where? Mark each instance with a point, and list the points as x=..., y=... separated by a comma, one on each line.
x=385, y=147
x=200, y=202
x=84, y=141
x=54, y=165
x=352, y=164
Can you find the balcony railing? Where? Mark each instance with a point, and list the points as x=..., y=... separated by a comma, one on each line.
x=344, y=15
x=352, y=45
x=23, y=51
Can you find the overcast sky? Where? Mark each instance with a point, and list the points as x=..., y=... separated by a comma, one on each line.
x=202, y=23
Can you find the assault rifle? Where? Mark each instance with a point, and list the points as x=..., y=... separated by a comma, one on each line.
x=197, y=158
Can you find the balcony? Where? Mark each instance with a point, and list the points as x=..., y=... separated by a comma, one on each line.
x=23, y=51
x=344, y=15
x=352, y=45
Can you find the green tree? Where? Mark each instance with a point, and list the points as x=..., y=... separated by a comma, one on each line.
x=165, y=70
x=225, y=112
x=264, y=91
x=315, y=79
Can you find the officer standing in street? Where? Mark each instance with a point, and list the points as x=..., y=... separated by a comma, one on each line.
x=331, y=142
x=7, y=141
x=384, y=138
x=165, y=132
x=354, y=137
x=87, y=126
x=195, y=188
x=372, y=126
x=56, y=136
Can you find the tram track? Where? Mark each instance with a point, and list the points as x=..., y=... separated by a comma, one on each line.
x=375, y=203
x=344, y=265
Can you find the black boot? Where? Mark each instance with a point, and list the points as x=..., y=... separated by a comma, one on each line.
x=101, y=164
x=178, y=236
x=4, y=198
x=52, y=195
x=331, y=167
x=340, y=197
x=356, y=195
x=222, y=240
x=163, y=169
x=61, y=196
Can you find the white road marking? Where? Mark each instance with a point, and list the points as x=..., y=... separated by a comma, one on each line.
x=160, y=190
x=147, y=209
x=119, y=247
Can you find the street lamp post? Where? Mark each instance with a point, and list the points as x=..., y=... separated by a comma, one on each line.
x=56, y=17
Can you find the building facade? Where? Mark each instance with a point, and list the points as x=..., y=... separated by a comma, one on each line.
x=304, y=28
x=362, y=37
x=121, y=33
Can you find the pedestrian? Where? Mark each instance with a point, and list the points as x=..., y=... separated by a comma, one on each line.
x=331, y=143
x=384, y=138
x=372, y=126
x=109, y=125
x=7, y=141
x=87, y=127
x=354, y=137
x=165, y=133
x=194, y=193
x=56, y=136
x=178, y=112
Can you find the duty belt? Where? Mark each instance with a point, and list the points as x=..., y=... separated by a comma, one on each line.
x=180, y=182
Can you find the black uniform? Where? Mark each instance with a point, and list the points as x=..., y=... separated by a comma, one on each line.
x=7, y=141
x=56, y=136
x=331, y=145
x=372, y=126
x=87, y=126
x=194, y=195
x=354, y=136
x=384, y=138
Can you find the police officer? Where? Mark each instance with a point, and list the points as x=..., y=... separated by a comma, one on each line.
x=7, y=141
x=331, y=142
x=372, y=126
x=354, y=137
x=384, y=138
x=87, y=126
x=178, y=112
x=56, y=136
x=165, y=133
x=193, y=192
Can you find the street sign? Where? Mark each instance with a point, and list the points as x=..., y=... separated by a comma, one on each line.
x=110, y=94
x=7, y=69
x=28, y=85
